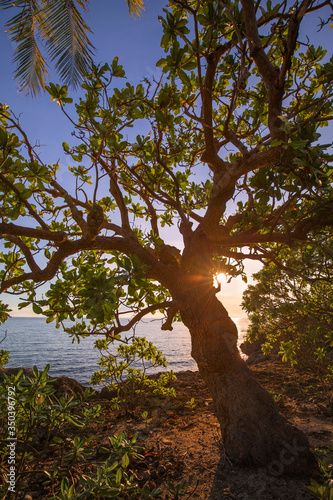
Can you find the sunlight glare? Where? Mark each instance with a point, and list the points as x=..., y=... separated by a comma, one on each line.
x=220, y=279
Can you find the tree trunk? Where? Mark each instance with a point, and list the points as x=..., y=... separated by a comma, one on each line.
x=253, y=430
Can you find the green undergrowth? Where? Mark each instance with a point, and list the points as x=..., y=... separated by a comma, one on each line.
x=323, y=487
x=53, y=446
x=124, y=372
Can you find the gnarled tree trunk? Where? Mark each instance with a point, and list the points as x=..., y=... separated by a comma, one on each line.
x=253, y=430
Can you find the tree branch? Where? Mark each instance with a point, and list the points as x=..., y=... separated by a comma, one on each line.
x=210, y=155
x=162, y=305
x=25, y=250
x=293, y=30
x=116, y=193
x=29, y=232
x=76, y=213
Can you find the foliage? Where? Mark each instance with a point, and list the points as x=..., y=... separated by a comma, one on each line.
x=4, y=312
x=224, y=148
x=60, y=29
x=293, y=313
x=191, y=404
x=109, y=221
x=324, y=489
x=120, y=375
x=4, y=357
x=177, y=490
x=43, y=421
x=39, y=413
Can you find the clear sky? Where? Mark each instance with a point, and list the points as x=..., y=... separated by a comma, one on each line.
x=137, y=44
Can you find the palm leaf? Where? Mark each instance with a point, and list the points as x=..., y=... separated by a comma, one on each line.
x=23, y=30
x=60, y=26
x=6, y=4
x=135, y=7
x=65, y=34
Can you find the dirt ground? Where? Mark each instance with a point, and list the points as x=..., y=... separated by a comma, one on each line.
x=184, y=443
x=190, y=441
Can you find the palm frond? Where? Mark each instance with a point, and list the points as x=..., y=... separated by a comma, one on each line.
x=7, y=4
x=65, y=34
x=23, y=30
x=136, y=7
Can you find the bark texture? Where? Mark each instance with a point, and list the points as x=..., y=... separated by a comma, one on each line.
x=253, y=430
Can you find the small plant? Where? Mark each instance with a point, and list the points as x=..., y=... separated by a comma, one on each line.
x=4, y=357
x=177, y=490
x=276, y=397
x=329, y=376
x=119, y=374
x=40, y=420
x=145, y=417
x=191, y=404
x=80, y=450
x=113, y=479
x=324, y=489
x=123, y=445
x=287, y=349
x=266, y=348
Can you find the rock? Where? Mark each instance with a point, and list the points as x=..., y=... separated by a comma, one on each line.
x=107, y=394
x=64, y=386
x=253, y=351
x=68, y=387
x=13, y=371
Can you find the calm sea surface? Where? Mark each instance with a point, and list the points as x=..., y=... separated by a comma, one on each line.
x=31, y=341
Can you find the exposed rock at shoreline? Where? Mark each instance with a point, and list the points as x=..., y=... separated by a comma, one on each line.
x=63, y=385
x=254, y=352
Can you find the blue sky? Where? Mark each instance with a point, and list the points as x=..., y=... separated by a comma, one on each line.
x=115, y=33
x=137, y=44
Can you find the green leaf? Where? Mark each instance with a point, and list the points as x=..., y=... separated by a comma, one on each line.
x=125, y=460
x=3, y=137
x=161, y=63
x=119, y=476
x=36, y=309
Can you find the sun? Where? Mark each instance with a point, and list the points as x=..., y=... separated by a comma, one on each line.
x=220, y=279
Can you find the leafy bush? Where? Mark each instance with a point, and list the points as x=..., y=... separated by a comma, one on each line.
x=44, y=421
x=40, y=417
x=119, y=374
x=293, y=315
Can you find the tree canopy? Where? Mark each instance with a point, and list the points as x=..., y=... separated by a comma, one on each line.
x=251, y=113
x=226, y=148
x=59, y=28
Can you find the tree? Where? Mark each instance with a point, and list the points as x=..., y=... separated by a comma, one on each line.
x=228, y=154
x=293, y=311
x=60, y=28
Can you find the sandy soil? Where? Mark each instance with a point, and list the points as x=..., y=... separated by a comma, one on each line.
x=184, y=443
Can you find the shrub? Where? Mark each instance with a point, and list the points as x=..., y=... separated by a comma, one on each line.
x=292, y=314
x=119, y=374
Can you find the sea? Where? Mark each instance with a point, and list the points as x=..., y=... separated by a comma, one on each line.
x=33, y=342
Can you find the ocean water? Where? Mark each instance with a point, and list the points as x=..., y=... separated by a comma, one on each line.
x=33, y=342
